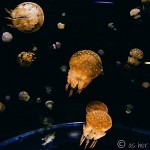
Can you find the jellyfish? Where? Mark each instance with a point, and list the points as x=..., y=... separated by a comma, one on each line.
x=49, y=104
x=85, y=65
x=56, y=45
x=26, y=17
x=134, y=59
x=48, y=89
x=7, y=37
x=23, y=95
x=60, y=26
x=112, y=26
x=2, y=107
x=38, y=100
x=63, y=69
x=97, y=123
x=101, y=52
x=25, y=59
x=145, y=84
x=7, y=97
x=135, y=13
x=129, y=108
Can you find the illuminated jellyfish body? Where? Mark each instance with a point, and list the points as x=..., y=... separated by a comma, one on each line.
x=85, y=65
x=24, y=96
x=26, y=17
x=134, y=59
x=97, y=123
x=25, y=59
x=2, y=107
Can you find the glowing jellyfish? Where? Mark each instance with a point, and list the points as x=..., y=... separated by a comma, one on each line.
x=49, y=104
x=96, y=105
x=129, y=108
x=85, y=65
x=101, y=52
x=7, y=37
x=56, y=45
x=63, y=69
x=25, y=59
x=38, y=100
x=26, y=17
x=23, y=95
x=8, y=97
x=63, y=14
x=145, y=85
x=2, y=107
x=97, y=123
x=46, y=121
x=135, y=13
x=48, y=89
x=60, y=26
x=134, y=59
x=34, y=48
x=112, y=26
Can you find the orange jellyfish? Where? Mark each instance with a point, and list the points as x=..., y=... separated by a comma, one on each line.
x=2, y=107
x=85, y=65
x=26, y=17
x=97, y=123
x=25, y=59
x=134, y=59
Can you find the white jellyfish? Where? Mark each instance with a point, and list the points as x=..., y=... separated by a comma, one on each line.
x=23, y=95
x=112, y=26
x=60, y=26
x=38, y=100
x=7, y=97
x=48, y=89
x=118, y=63
x=129, y=108
x=56, y=45
x=7, y=37
x=63, y=14
x=49, y=104
x=63, y=69
x=101, y=52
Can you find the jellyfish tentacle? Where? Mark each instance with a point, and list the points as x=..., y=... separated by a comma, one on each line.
x=93, y=144
x=87, y=142
x=9, y=11
x=82, y=139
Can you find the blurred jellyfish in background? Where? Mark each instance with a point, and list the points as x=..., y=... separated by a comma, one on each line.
x=134, y=59
x=112, y=26
x=60, y=26
x=34, y=49
x=25, y=59
x=38, y=100
x=129, y=108
x=118, y=63
x=63, y=14
x=26, y=17
x=24, y=96
x=85, y=65
x=49, y=104
x=101, y=52
x=7, y=37
x=56, y=45
x=2, y=107
x=7, y=97
x=145, y=84
x=97, y=123
x=135, y=13
x=46, y=121
x=48, y=89
x=64, y=69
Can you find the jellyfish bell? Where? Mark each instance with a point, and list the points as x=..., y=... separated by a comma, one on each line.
x=24, y=96
x=101, y=52
x=56, y=45
x=27, y=17
x=135, y=13
x=145, y=84
x=60, y=26
x=2, y=107
x=134, y=59
x=129, y=108
x=38, y=100
x=85, y=65
x=112, y=26
x=7, y=37
x=48, y=89
x=63, y=69
x=49, y=104
x=25, y=59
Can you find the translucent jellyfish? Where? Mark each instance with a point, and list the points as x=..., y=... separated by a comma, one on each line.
x=118, y=63
x=56, y=45
x=60, y=26
x=26, y=17
x=96, y=105
x=85, y=65
x=101, y=52
x=112, y=26
x=135, y=13
x=25, y=59
x=2, y=107
x=7, y=37
x=38, y=100
x=129, y=108
x=46, y=121
x=63, y=69
x=97, y=123
x=49, y=104
x=134, y=59
x=7, y=97
x=48, y=89
x=23, y=95
x=34, y=48
x=145, y=85
x=63, y=14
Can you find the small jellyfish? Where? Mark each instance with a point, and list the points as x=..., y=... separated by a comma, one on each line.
x=25, y=59
x=23, y=95
x=7, y=37
x=63, y=14
x=7, y=97
x=26, y=17
x=56, y=45
x=49, y=104
x=38, y=100
x=97, y=123
x=34, y=49
x=85, y=65
x=101, y=52
x=2, y=107
x=63, y=69
x=134, y=59
x=135, y=13
x=46, y=121
x=60, y=26
x=145, y=84
x=112, y=26
x=48, y=89
x=129, y=108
